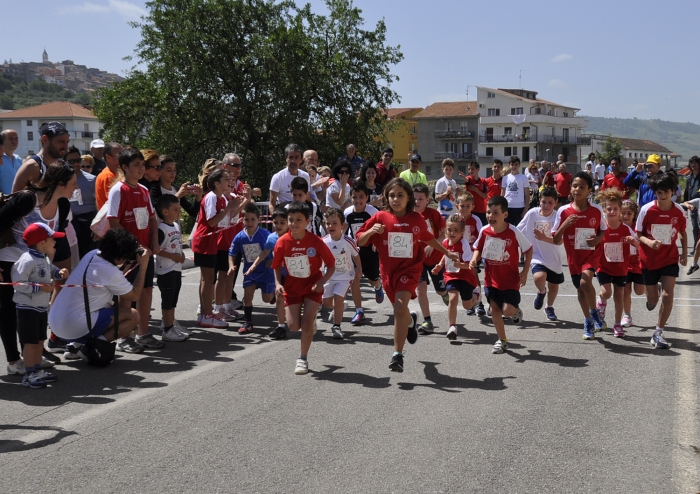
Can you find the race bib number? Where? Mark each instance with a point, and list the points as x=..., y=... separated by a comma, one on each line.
x=494, y=248
x=401, y=245
x=450, y=266
x=141, y=217
x=298, y=266
x=614, y=252
x=341, y=263
x=251, y=251
x=662, y=233
x=633, y=250
x=77, y=197
x=544, y=227
x=224, y=222
x=355, y=227
x=582, y=235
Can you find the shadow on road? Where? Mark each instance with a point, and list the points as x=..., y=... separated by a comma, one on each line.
x=642, y=347
x=12, y=445
x=331, y=374
x=537, y=355
x=450, y=384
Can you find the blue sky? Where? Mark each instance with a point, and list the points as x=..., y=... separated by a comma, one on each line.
x=610, y=58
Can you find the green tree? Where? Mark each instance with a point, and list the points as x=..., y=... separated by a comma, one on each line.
x=252, y=76
x=611, y=148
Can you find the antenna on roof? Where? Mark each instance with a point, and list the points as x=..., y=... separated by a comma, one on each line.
x=520, y=78
x=468, y=95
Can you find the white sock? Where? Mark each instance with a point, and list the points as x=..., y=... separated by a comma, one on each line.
x=218, y=307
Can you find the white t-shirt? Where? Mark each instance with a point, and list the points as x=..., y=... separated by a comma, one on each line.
x=440, y=188
x=335, y=189
x=172, y=244
x=600, y=171
x=67, y=316
x=343, y=250
x=546, y=254
x=515, y=186
x=533, y=177
x=282, y=184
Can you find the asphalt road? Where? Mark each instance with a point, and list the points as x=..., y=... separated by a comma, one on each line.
x=225, y=413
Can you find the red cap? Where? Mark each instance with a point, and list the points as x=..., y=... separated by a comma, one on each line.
x=37, y=232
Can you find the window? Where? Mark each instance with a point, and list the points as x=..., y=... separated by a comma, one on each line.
x=506, y=151
x=428, y=170
x=464, y=126
x=30, y=136
x=630, y=155
x=538, y=111
x=413, y=129
x=489, y=151
x=515, y=150
x=453, y=147
x=413, y=147
x=86, y=128
x=449, y=125
x=31, y=151
x=494, y=112
x=29, y=123
x=508, y=131
x=516, y=111
x=491, y=95
x=566, y=113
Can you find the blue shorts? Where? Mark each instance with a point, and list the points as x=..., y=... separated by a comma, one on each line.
x=552, y=277
x=101, y=326
x=500, y=297
x=265, y=283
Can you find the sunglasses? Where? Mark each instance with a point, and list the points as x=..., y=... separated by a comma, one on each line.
x=157, y=168
x=75, y=161
x=344, y=172
x=86, y=167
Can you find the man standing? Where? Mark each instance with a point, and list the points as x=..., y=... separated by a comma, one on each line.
x=616, y=178
x=413, y=175
x=97, y=148
x=11, y=162
x=692, y=191
x=280, y=185
x=563, y=184
x=106, y=179
x=639, y=179
x=54, y=145
x=384, y=170
x=354, y=159
x=310, y=158
x=600, y=171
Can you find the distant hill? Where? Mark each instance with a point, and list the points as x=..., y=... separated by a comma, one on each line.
x=16, y=94
x=681, y=138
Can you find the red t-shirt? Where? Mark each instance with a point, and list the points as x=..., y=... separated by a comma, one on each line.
x=464, y=250
x=548, y=179
x=132, y=207
x=501, y=255
x=303, y=260
x=235, y=224
x=615, y=253
x=617, y=181
x=436, y=224
x=206, y=237
x=481, y=185
x=633, y=260
x=656, y=224
x=384, y=174
x=472, y=227
x=493, y=187
x=563, y=181
x=580, y=259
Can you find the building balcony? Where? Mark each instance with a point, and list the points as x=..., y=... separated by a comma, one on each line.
x=454, y=134
x=508, y=138
x=507, y=120
x=571, y=140
x=441, y=155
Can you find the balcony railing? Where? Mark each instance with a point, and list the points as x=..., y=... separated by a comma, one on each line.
x=508, y=138
x=78, y=134
x=573, y=140
x=454, y=134
x=441, y=155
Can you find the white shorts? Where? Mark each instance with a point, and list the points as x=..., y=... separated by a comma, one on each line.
x=339, y=288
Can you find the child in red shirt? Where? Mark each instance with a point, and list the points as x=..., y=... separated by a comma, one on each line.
x=302, y=254
x=615, y=251
x=398, y=234
x=436, y=226
x=493, y=183
x=472, y=227
x=479, y=190
x=500, y=244
x=460, y=280
x=659, y=225
x=629, y=213
x=580, y=226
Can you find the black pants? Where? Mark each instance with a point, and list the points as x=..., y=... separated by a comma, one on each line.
x=696, y=228
x=237, y=263
x=8, y=315
x=81, y=223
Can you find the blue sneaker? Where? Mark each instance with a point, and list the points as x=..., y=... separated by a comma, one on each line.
x=658, y=340
x=549, y=311
x=379, y=295
x=480, y=311
x=359, y=317
x=598, y=321
x=539, y=300
x=588, y=333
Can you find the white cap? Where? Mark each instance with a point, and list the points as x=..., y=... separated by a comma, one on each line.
x=97, y=143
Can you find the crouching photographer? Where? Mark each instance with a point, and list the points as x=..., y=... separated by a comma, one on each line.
x=91, y=316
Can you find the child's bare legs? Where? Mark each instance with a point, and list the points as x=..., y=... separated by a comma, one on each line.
x=423, y=301
x=552, y=292
x=540, y=279
x=497, y=317
x=168, y=317
x=281, y=313
x=143, y=306
x=638, y=290
x=606, y=291
x=338, y=303
x=32, y=354
x=668, y=285
x=618, y=296
x=402, y=319
x=452, y=307
x=356, y=293
x=206, y=290
x=586, y=293
x=223, y=288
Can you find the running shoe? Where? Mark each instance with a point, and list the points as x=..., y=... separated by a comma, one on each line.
x=627, y=321
x=173, y=335
x=500, y=346
x=396, y=364
x=279, y=333
x=47, y=364
x=488, y=311
x=129, y=345
x=588, y=333
x=480, y=311
x=47, y=377
x=32, y=380
x=539, y=300
x=148, y=341
x=16, y=368
x=452, y=333
x=55, y=346
x=236, y=304
x=471, y=312
x=211, y=321
x=412, y=336
x=658, y=340
x=618, y=331
x=246, y=328
x=517, y=317
x=379, y=295
x=71, y=352
x=426, y=328
x=601, y=306
x=54, y=359
x=359, y=318
x=598, y=322
x=692, y=269
x=302, y=367
x=549, y=311
x=446, y=299
x=337, y=332
x=185, y=331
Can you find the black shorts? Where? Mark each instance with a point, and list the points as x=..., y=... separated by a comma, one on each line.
x=635, y=278
x=169, y=285
x=552, y=277
x=576, y=278
x=482, y=217
x=438, y=279
x=500, y=297
x=62, y=250
x=370, y=263
x=150, y=272
x=32, y=325
x=514, y=215
x=205, y=260
x=563, y=200
x=604, y=278
x=653, y=276
x=466, y=291
x=222, y=260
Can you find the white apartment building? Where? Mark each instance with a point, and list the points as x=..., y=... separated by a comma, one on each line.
x=515, y=122
x=80, y=122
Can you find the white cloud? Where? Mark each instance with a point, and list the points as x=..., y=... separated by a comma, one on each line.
x=564, y=57
x=120, y=7
x=557, y=83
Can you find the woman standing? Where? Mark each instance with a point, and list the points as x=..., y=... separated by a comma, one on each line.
x=166, y=185
x=368, y=175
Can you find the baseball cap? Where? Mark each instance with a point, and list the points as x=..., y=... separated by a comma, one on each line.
x=97, y=143
x=654, y=158
x=37, y=232
x=416, y=157
x=52, y=129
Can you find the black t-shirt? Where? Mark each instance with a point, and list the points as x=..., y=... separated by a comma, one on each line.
x=356, y=220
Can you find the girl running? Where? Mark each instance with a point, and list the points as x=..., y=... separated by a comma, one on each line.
x=629, y=213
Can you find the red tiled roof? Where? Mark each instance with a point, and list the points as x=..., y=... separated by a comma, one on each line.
x=398, y=112
x=642, y=145
x=55, y=109
x=450, y=109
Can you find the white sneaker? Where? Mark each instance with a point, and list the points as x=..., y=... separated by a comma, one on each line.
x=199, y=309
x=16, y=368
x=46, y=363
x=173, y=335
x=213, y=321
x=626, y=321
x=236, y=304
x=229, y=314
x=186, y=331
x=302, y=367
